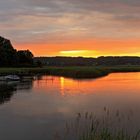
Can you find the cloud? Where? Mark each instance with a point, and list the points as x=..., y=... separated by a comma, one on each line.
x=27, y=21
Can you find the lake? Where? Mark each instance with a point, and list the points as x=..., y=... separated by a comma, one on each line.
x=39, y=109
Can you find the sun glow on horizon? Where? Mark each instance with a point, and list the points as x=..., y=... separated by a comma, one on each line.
x=91, y=53
x=73, y=51
x=76, y=53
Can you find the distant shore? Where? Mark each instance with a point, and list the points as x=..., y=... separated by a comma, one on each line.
x=72, y=72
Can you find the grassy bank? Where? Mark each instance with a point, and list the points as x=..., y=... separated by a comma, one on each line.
x=73, y=72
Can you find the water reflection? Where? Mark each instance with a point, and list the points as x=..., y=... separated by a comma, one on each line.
x=118, y=92
x=25, y=85
x=42, y=106
x=7, y=89
x=127, y=83
x=62, y=83
x=6, y=93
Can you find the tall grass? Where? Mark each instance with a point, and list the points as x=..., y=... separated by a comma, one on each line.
x=88, y=127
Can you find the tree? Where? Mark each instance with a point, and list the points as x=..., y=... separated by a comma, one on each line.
x=11, y=57
x=25, y=57
x=8, y=55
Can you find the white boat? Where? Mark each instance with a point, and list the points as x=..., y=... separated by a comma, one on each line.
x=12, y=77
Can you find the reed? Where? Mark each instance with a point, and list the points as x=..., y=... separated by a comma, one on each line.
x=89, y=127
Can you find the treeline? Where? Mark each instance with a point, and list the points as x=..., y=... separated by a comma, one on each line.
x=81, y=61
x=65, y=61
x=123, y=60
x=10, y=57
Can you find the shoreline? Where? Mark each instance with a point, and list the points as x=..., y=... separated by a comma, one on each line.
x=71, y=72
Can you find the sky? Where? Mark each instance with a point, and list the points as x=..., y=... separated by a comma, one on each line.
x=89, y=28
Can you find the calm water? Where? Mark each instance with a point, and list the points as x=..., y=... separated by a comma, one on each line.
x=39, y=108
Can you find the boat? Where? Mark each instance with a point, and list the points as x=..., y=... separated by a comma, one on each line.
x=12, y=78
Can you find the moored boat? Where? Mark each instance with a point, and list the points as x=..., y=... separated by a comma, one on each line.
x=11, y=78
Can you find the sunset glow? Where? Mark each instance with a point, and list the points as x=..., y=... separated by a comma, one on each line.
x=94, y=48
x=76, y=53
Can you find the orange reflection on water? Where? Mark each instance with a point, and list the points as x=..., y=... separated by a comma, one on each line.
x=127, y=83
x=62, y=83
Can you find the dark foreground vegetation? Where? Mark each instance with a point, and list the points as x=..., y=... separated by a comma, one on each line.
x=109, y=126
x=72, y=72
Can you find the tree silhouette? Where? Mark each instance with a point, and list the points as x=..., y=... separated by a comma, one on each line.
x=11, y=57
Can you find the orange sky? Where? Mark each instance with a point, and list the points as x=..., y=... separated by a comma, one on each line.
x=86, y=48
